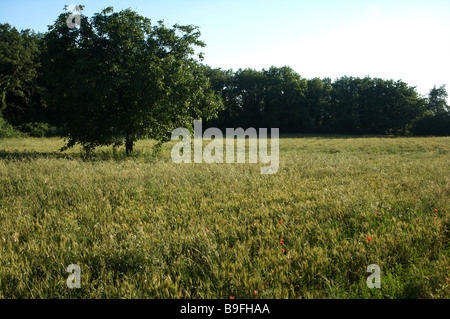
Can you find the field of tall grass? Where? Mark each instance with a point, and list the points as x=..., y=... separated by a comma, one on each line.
x=145, y=227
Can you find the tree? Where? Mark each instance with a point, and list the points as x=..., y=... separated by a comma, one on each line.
x=284, y=100
x=437, y=100
x=436, y=118
x=248, y=93
x=403, y=107
x=345, y=108
x=118, y=78
x=388, y=106
x=19, y=63
x=318, y=100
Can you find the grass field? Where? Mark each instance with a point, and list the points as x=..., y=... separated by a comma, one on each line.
x=144, y=227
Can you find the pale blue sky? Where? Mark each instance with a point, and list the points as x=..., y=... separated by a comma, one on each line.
x=392, y=39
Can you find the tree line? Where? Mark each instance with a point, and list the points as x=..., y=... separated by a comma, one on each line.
x=118, y=78
x=280, y=97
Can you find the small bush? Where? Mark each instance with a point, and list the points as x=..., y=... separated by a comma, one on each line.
x=7, y=130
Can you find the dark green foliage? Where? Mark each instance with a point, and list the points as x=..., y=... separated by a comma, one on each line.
x=21, y=86
x=437, y=103
x=39, y=129
x=279, y=97
x=119, y=78
x=18, y=51
x=436, y=118
x=436, y=125
x=374, y=106
x=6, y=129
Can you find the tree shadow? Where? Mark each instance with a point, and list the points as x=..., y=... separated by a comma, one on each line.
x=97, y=156
x=334, y=136
x=34, y=155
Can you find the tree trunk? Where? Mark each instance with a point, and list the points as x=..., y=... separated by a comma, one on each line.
x=128, y=145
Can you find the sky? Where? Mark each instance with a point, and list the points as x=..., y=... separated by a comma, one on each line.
x=390, y=39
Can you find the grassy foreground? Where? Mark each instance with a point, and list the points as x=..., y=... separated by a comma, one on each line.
x=144, y=227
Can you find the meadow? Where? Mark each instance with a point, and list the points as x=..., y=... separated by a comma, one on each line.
x=145, y=227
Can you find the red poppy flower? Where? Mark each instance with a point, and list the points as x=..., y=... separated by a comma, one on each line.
x=231, y=297
x=281, y=222
x=255, y=292
x=435, y=210
x=282, y=250
x=369, y=239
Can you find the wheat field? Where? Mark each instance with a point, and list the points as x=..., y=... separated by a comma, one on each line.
x=145, y=227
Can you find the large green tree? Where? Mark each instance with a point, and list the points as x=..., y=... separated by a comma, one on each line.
x=118, y=78
x=436, y=118
x=284, y=100
x=437, y=100
x=345, y=107
x=319, y=102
